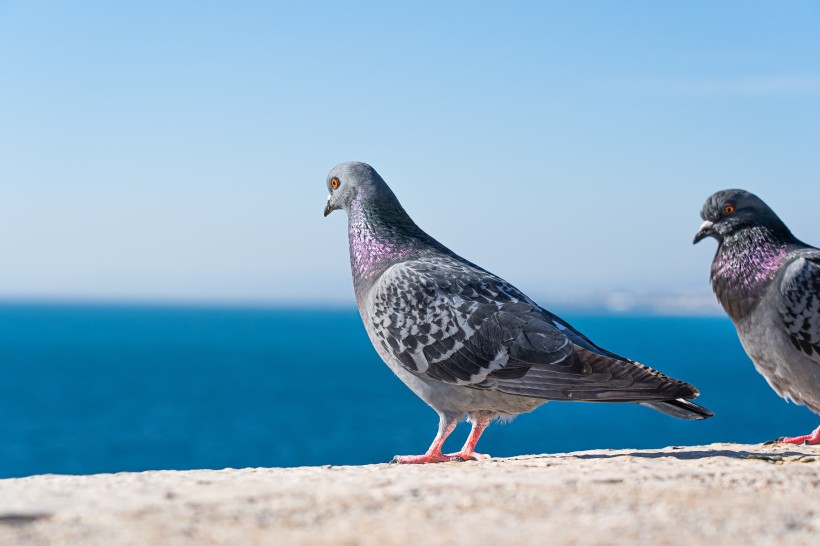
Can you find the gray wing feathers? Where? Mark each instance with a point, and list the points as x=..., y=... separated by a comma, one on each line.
x=799, y=303
x=595, y=377
x=444, y=320
x=445, y=324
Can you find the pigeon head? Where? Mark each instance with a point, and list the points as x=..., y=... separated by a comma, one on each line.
x=729, y=212
x=355, y=182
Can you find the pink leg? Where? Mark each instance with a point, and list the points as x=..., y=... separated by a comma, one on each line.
x=434, y=454
x=468, y=450
x=812, y=439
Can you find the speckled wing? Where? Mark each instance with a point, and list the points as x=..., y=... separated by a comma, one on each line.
x=448, y=321
x=799, y=306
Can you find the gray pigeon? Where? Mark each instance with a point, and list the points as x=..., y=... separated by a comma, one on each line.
x=769, y=284
x=466, y=341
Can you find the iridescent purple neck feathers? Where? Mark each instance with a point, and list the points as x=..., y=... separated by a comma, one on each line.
x=381, y=235
x=744, y=265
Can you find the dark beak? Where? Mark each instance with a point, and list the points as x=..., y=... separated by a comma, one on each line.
x=704, y=232
x=329, y=208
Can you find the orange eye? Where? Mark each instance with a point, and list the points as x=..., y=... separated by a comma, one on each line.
x=729, y=209
x=334, y=183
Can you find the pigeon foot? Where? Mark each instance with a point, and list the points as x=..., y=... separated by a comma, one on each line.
x=435, y=457
x=812, y=439
x=470, y=456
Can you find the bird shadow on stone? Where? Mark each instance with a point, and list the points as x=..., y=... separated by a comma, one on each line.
x=704, y=454
x=14, y=519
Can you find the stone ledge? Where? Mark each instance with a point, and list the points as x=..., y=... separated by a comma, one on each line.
x=721, y=494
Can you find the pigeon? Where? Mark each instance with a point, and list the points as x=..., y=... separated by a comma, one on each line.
x=467, y=342
x=768, y=282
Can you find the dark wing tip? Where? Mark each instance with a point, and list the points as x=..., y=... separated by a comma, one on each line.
x=680, y=408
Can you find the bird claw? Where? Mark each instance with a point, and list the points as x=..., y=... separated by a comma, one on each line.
x=808, y=440
x=472, y=456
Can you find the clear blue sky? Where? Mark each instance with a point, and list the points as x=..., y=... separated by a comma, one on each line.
x=178, y=150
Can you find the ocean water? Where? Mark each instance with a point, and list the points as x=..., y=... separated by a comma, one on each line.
x=87, y=389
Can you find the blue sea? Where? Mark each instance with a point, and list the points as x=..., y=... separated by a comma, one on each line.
x=87, y=389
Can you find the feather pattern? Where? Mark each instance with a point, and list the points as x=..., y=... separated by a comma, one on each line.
x=446, y=320
x=799, y=306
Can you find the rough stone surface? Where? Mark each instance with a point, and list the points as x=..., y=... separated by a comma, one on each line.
x=718, y=494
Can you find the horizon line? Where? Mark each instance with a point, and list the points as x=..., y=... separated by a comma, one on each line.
x=317, y=305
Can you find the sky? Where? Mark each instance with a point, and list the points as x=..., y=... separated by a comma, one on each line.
x=177, y=151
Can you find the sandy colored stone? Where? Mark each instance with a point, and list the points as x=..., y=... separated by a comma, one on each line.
x=719, y=494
